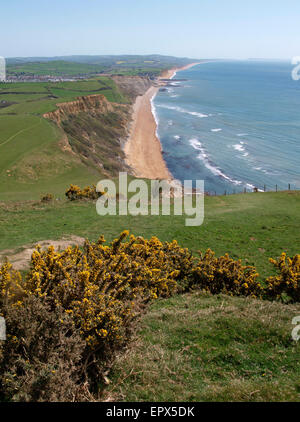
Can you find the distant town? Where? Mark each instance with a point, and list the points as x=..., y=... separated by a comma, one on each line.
x=44, y=78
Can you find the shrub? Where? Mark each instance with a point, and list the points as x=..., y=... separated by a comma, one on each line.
x=10, y=286
x=285, y=285
x=89, y=192
x=47, y=198
x=102, y=288
x=74, y=309
x=224, y=275
x=39, y=360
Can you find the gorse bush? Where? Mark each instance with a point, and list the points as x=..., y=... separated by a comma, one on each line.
x=285, y=285
x=101, y=285
x=102, y=289
x=40, y=359
x=89, y=192
x=224, y=275
x=94, y=295
x=47, y=198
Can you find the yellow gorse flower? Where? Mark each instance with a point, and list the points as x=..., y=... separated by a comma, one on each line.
x=104, y=287
x=288, y=279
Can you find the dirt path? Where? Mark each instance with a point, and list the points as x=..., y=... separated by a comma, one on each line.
x=20, y=257
x=18, y=133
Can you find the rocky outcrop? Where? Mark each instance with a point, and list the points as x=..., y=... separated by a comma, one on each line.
x=92, y=104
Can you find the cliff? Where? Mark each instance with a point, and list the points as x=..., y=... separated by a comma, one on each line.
x=132, y=86
x=92, y=104
x=94, y=129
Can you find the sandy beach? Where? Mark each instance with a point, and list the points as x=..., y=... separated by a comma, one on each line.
x=143, y=149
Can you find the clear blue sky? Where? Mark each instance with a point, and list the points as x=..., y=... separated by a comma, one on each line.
x=193, y=28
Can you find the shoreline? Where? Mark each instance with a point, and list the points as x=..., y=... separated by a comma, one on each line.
x=143, y=149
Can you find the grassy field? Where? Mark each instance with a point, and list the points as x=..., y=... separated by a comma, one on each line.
x=54, y=68
x=199, y=347
x=87, y=65
x=253, y=227
x=68, y=69
x=30, y=159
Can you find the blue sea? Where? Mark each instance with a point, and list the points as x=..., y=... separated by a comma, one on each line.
x=233, y=124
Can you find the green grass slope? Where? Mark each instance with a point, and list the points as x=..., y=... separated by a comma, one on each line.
x=199, y=347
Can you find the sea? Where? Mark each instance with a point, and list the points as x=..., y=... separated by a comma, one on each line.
x=233, y=124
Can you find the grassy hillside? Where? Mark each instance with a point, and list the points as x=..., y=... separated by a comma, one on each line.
x=253, y=227
x=31, y=159
x=199, y=347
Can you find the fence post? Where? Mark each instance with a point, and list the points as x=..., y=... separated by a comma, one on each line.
x=276, y=188
x=289, y=186
x=265, y=188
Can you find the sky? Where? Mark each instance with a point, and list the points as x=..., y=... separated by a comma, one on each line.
x=185, y=28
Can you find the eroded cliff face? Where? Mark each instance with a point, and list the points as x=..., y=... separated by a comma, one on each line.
x=94, y=129
x=132, y=86
x=92, y=104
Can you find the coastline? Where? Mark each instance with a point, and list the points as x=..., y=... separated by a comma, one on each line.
x=143, y=149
